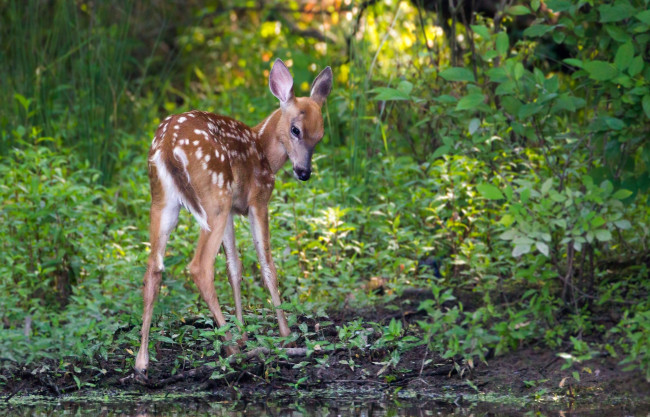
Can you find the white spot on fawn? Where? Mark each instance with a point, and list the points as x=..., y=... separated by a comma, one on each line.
x=214, y=178
x=182, y=119
x=196, y=142
x=199, y=153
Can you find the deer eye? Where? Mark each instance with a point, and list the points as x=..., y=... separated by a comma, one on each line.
x=295, y=131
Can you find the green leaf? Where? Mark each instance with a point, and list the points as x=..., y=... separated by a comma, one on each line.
x=470, y=101
x=511, y=104
x=497, y=75
x=623, y=224
x=617, y=33
x=644, y=16
x=518, y=10
x=622, y=194
x=603, y=235
x=616, y=12
x=552, y=84
x=441, y=150
x=519, y=70
x=534, y=4
x=636, y=66
x=405, y=87
x=503, y=43
x=507, y=87
x=445, y=99
x=489, y=191
x=528, y=110
x=574, y=62
x=389, y=94
x=508, y=234
x=474, y=124
x=457, y=74
x=536, y=31
x=559, y=5
x=547, y=186
x=614, y=123
x=542, y=247
x=600, y=70
x=596, y=222
x=520, y=250
x=624, y=56
x=645, y=102
x=481, y=30
x=506, y=220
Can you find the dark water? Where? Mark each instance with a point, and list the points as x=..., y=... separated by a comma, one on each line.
x=304, y=407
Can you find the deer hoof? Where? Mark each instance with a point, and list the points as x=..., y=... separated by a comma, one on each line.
x=289, y=344
x=231, y=350
x=141, y=376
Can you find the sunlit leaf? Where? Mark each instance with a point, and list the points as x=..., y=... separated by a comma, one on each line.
x=470, y=101
x=489, y=191
x=520, y=250
x=481, y=30
x=502, y=43
x=518, y=10
x=457, y=74
x=621, y=194
x=388, y=94
x=603, y=235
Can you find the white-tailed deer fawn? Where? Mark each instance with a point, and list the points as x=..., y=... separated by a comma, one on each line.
x=216, y=167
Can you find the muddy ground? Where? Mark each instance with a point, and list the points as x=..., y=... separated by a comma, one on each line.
x=531, y=371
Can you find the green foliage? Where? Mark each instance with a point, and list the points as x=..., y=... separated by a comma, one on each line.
x=525, y=178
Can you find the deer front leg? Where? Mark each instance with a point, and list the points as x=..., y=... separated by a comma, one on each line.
x=234, y=270
x=259, y=220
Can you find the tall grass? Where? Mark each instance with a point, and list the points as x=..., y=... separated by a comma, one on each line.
x=65, y=75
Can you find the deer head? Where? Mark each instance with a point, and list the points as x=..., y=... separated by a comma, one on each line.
x=300, y=125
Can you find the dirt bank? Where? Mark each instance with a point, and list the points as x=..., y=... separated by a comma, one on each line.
x=532, y=372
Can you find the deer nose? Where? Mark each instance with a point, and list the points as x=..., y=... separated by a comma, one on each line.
x=302, y=174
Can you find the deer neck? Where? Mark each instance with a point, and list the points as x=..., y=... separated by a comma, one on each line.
x=268, y=138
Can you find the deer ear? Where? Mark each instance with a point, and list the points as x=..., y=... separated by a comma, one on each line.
x=322, y=86
x=281, y=82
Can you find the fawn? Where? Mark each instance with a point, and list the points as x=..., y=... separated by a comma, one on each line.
x=216, y=167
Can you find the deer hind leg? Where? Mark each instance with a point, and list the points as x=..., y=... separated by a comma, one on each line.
x=260, y=229
x=202, y=268
x=163, y=221
x=234, y=270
